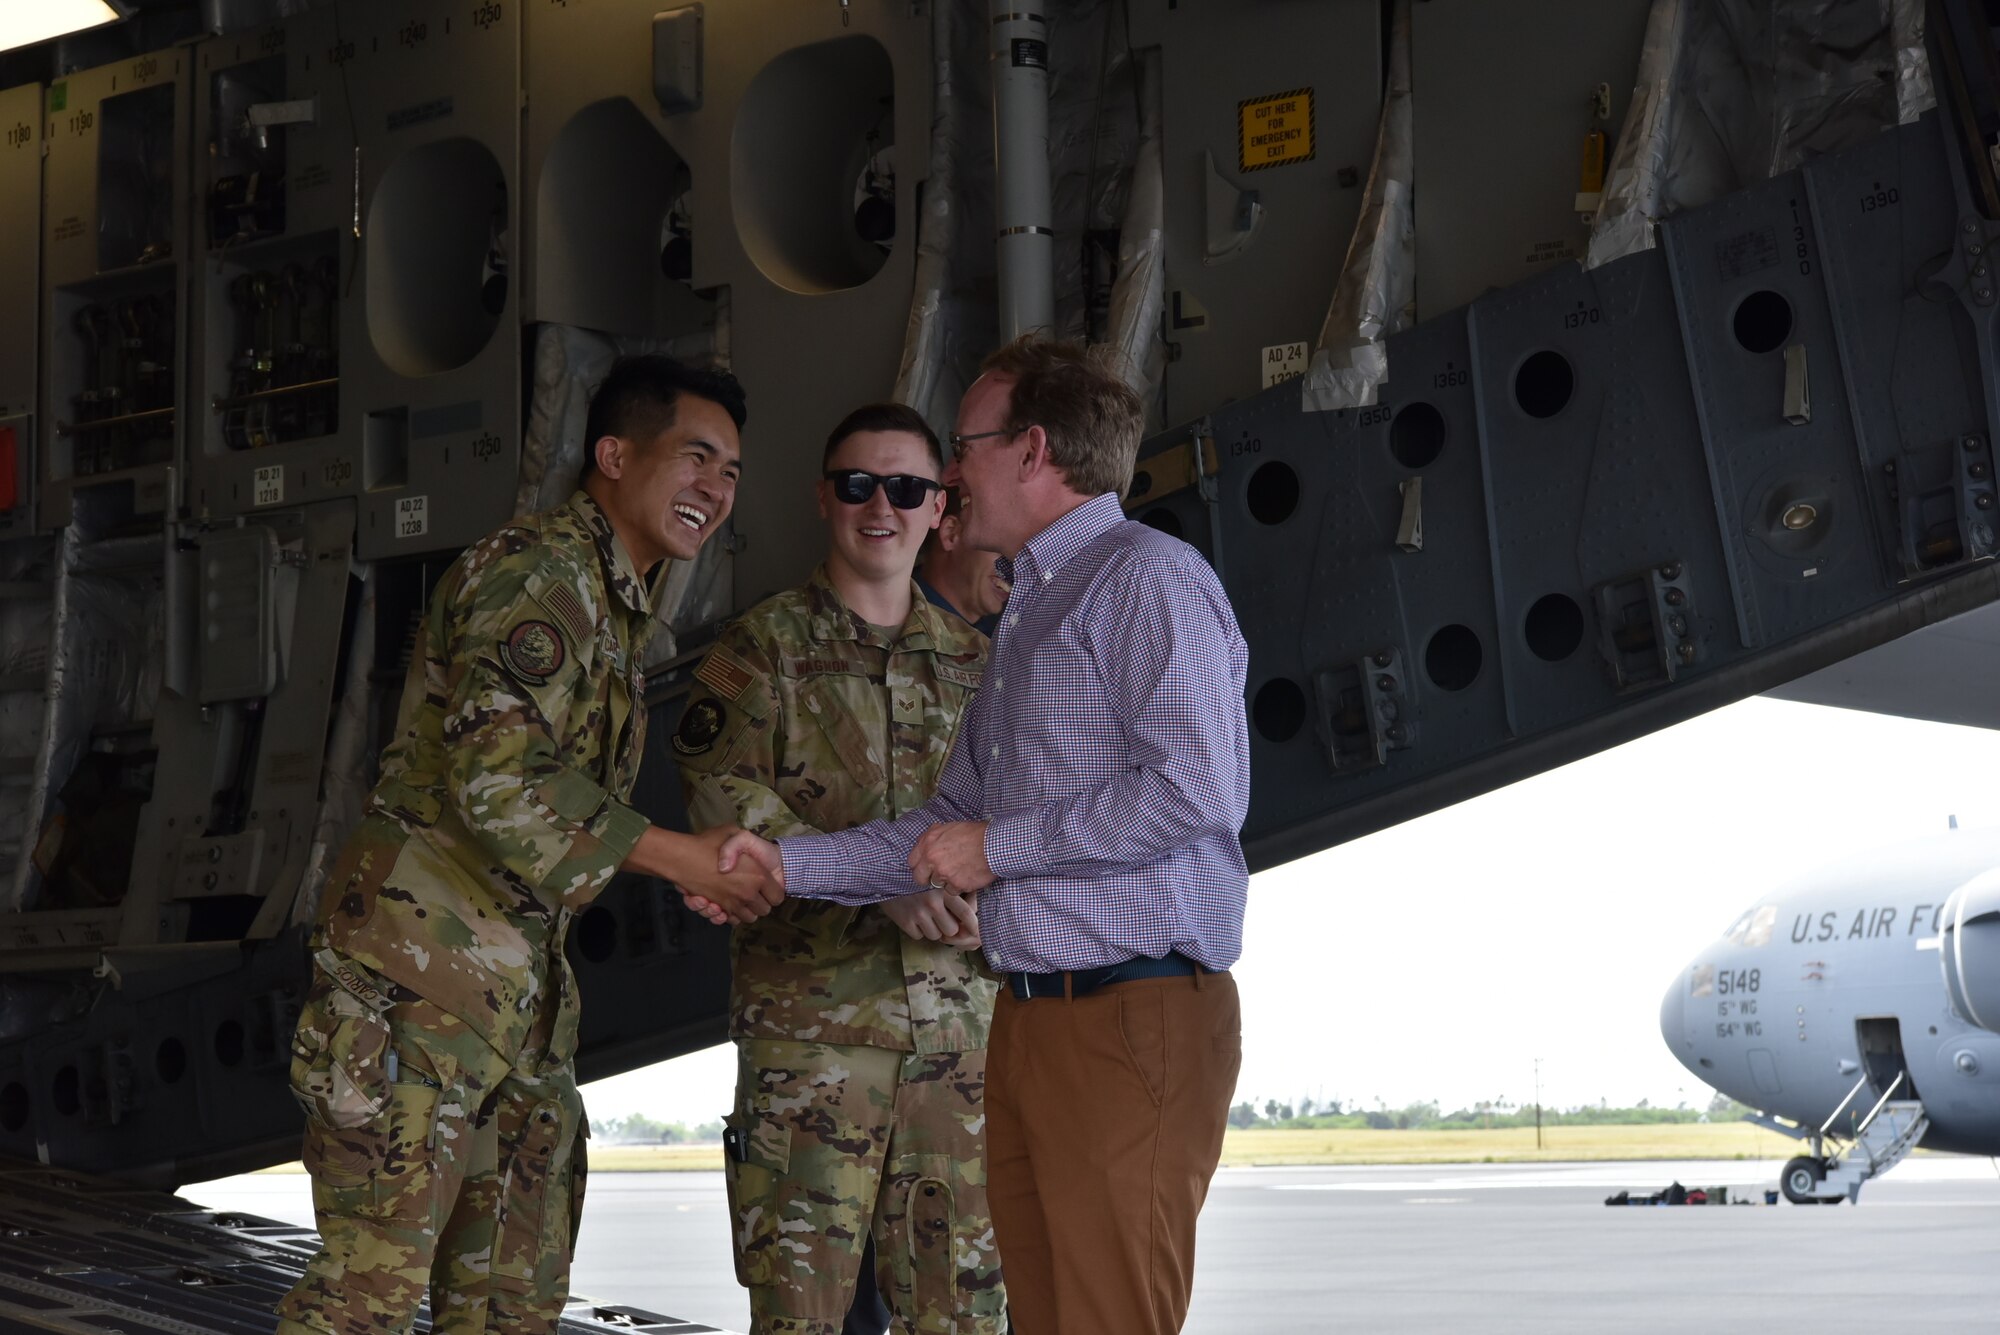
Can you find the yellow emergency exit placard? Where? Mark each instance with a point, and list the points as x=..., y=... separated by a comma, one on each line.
x=1275, y=130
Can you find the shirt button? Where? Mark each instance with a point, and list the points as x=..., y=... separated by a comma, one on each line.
x=1013, y=618
x=996, y=753
x=1046, y=574
x=999, y=682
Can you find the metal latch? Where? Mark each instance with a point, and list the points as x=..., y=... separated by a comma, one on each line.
x=1798, y=393
x=1645, y=626
x=1410, y=529
x=1364, y=711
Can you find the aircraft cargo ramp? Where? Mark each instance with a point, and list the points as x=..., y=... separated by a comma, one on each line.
x=80, y=1254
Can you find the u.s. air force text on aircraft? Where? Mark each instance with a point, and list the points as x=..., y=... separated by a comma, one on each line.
x=1864, y=924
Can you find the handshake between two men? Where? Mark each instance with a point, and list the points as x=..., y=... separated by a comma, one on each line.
x=727, y=874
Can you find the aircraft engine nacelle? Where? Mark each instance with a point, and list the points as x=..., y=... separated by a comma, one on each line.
x=1969, y=950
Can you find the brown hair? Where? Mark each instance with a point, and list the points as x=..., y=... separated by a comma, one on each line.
x=885, y=417
x=1091, y=416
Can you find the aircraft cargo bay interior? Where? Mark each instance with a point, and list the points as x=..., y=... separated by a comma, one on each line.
x=1494, y=388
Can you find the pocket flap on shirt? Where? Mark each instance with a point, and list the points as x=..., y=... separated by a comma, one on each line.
x=570, y=795
x=406, y=803
x=843, y=732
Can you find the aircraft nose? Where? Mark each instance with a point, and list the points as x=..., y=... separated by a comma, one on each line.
x=1673, y=1015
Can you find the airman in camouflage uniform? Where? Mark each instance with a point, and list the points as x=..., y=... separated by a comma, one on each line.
x=434, y=1054
x=861, y=1049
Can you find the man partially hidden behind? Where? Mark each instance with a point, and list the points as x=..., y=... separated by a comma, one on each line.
x=434, y=1053
x=959, y=577
x=1093, y=800
x=861, y=1049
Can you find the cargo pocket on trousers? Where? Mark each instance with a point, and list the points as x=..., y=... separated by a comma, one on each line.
x=924, y=1255
x=384, y=1170
x=339, y=1052
x=756, y=1183
x=530, y=1242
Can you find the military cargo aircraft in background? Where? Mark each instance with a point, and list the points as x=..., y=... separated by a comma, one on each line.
x=1854, y=1011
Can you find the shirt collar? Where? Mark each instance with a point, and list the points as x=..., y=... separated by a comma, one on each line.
x=1049, y=550
x=834, y=622
x=620, y=575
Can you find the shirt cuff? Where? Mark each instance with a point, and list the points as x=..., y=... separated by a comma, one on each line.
x=619, y=829
x=1014, y=844
x=595, y=854
x=806, y=859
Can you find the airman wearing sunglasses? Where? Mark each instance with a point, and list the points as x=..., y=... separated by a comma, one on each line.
x=859, y=1101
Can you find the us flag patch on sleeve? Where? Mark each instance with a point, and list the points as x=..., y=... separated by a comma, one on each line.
x=562, y=600
x=724, y=673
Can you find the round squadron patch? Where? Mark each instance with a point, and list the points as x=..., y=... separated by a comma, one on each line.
x=700, y=726
x=533, y=650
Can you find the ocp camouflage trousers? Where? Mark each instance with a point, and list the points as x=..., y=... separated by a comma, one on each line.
x=468, y=1185
x=843, y=1141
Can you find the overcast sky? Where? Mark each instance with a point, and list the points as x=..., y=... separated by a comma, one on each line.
x=1438, y=959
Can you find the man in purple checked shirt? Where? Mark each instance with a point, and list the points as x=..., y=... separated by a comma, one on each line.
x=1093, y=800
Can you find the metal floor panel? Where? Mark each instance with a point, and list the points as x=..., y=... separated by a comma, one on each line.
x=84, y=1256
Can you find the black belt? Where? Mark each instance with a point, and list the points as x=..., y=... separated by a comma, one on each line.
x=1081, y=982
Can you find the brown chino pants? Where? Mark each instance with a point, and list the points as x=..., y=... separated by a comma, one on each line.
x=1104, y=1123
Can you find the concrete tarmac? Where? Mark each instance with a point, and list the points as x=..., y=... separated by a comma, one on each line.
x=1490, y=1248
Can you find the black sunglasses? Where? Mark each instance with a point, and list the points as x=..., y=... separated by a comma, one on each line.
x=906, y=491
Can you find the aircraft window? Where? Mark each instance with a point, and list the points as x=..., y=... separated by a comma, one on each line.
x=67, y=1092
x=171, y=1061
x=229, y=1043
x=1273, y=493
x=1416, y=436
x=1279, y=710
x=1544, y=384
x=1754, y=927
x=1554, y=627
x=1701, y=983
x=1453, y=656
x=1763, y=322
x=13, y=1107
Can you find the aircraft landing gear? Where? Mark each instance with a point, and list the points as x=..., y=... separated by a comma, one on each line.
x=1801, y=1178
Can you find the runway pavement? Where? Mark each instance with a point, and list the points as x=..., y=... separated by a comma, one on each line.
x=1445, y=1248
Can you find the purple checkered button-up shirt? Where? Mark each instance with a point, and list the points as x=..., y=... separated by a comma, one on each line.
x=1107, y=749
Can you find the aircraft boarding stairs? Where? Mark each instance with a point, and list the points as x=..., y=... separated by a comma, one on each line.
x=1878, y=1143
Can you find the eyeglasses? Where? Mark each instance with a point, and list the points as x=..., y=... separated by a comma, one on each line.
x=906, y=491
x=958, y=442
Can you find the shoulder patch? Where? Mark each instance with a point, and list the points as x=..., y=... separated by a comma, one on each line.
x=724, y=673
x=561, y=599
x=701, y=724
x=533, y=649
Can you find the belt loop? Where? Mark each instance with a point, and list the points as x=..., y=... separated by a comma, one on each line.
x=1199, y=972
x=1069, y=985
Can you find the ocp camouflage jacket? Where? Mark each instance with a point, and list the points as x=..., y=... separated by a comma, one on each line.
x=804, y=719
x=503, y=805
